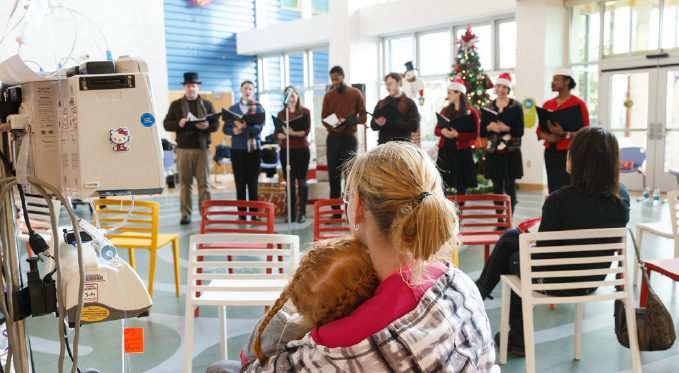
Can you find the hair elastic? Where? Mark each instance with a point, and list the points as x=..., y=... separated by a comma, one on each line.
x=423, y=195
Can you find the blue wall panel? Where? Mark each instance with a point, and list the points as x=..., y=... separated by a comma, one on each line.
x=204, y=40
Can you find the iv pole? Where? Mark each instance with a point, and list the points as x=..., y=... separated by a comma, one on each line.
x=288, y=182
x=8, y=229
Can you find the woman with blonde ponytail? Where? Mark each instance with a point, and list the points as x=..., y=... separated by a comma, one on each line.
x=425, y=315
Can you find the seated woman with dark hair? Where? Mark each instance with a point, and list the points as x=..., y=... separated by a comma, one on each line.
x=594, y=199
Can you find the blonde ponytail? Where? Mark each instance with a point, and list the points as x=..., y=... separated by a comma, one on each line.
x=401, y=187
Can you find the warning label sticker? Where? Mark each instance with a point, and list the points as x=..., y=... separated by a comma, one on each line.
x=91, y=293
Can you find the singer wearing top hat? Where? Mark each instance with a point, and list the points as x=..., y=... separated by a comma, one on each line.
x=557, y=143
x=193, y=144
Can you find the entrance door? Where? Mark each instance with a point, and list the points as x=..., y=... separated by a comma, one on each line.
x=641, y=107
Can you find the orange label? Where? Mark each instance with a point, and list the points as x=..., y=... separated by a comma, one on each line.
x=134, y=340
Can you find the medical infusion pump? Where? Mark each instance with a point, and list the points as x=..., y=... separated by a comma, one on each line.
x=93, y=134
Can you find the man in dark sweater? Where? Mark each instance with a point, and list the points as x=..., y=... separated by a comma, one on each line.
x=345, y=102
x=193, y=143
x=401, y=129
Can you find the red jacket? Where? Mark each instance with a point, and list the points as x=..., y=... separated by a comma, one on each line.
x=464, y=140
x=552, y=105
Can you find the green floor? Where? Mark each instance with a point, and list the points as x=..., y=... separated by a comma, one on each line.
x=100, y=344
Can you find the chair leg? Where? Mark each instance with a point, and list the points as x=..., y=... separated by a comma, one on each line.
x=643, y=295
x=504, y=321
x=578, y=329
x=198, y=282
x=640, y=232
x=175, y=251
x=130, y=254
x=152, y=271
x=188, y=339
x=221, y=310
x=486, y=253
x=633, y=342
x=529, y=337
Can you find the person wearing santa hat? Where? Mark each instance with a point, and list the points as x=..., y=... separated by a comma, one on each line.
x=556, y=143
x=455, y=161
x=504, y=164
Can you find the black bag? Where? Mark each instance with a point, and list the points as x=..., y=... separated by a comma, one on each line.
x=655, y=329
x=169, y=179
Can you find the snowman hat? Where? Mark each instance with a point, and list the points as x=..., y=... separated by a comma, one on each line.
x=565, y=72
x=504, y=79
x=457, y=85
x=409, y=66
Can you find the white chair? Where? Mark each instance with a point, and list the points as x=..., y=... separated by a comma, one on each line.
x=39, y=216
x=528, y=291
x=661, y=228
x=243, y=288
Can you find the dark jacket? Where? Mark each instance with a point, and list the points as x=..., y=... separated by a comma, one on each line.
x=190, y=138
x=402, y=129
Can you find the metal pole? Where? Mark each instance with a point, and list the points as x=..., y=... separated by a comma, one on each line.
x=287, y=167
x=9, y=230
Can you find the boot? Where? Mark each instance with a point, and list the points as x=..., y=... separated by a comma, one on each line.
x=292, y=199
x=515, y=341
x=303, y=196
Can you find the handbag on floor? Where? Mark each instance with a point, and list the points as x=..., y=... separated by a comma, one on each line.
x=655, y=329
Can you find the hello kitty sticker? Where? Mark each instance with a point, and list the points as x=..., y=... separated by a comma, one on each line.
x=119, y=138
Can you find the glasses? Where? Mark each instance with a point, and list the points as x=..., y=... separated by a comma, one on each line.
x=345, y=196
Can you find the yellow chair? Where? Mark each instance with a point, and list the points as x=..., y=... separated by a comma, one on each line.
x=139, y=232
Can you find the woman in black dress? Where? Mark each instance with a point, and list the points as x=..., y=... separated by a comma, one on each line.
x=503, y=156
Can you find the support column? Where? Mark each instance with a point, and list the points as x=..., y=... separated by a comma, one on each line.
x=357, y=54
x=541, y=48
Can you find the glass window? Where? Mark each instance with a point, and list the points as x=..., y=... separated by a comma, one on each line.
x=320, y=67
x=296, y=69
x=587, y=83
x=319, y=6
x=484, y=44
x=435, y=53
x=670, y=25
x=585, y=33
x=272, y=103
x=507, y=47
x=272, y=73
x=278, y=11
x=631, y=26
x=399, y=51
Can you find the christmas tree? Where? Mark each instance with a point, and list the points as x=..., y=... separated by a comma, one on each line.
x=468, y=68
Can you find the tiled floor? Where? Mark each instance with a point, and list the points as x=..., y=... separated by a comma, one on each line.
x=100, y=344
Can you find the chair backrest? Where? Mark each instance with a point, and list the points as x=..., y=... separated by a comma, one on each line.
x=142, y=224
x=587, y=248
x=247, y=264
x=673, y=199
x=38, y=213
x=480, y=213
x=168, y=159
x=325, y=224
x=634, y=154
x=222, y=217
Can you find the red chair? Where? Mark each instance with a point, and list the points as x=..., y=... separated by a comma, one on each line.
x=479, y=223
x=338, y=227
x=216, y=219
x=667, y=267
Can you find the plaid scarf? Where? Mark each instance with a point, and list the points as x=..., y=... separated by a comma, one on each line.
x=252, y=109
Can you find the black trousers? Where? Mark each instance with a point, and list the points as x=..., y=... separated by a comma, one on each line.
x=340, y=149
x=246, y=173
x=504, y=260
x=555, y=163
x=508, y=186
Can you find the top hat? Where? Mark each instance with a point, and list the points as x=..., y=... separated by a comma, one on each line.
x=191, y=78
x=409, y=66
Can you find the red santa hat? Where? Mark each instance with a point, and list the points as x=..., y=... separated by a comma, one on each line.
x=504, y=79
x=457, y=85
